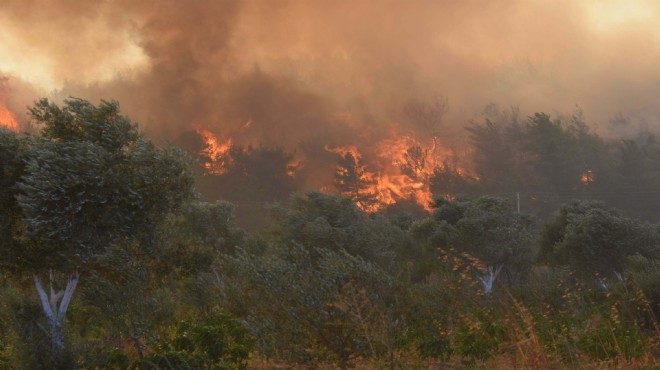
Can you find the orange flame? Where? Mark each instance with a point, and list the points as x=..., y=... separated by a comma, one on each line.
x=399, y=169
x=389, y=185
x=404, y=168
x=293, y=167
x=216, y=151
x=7, y=119
x=587, y=177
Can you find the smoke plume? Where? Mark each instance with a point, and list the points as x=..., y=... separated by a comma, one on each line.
x=335, y=71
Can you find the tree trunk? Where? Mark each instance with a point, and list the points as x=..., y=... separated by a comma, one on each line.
x=54, y=313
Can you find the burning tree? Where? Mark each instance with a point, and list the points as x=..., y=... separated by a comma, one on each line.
x=414, y=165
x=353, y=181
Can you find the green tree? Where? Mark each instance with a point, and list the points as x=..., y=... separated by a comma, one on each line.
x=13, y=150
x=306, y=305
x=489, y=229
x=593, y=238
x=92, y=182
x=319, y=220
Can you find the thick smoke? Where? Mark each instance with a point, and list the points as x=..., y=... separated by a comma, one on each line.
x=333, y=71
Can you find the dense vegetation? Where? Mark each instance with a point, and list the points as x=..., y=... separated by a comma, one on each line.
x=156, y=279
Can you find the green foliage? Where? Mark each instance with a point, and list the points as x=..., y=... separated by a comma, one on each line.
x=479, y=335
x=488, y=229
x=191, y=239
x=216, y=342
x=645, y=273
x=594, y=238
x=318, y=220
x=26, y=328
x=91, y=193
x=583, y=323
x=92, y=180
x=13, y=150
x=306, y=307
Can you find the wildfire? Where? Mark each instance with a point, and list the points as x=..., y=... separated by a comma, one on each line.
x=7, y=119
x=402, y=174
x=293, y=166
x=216, y=151
x=587, y=177
x=343, y=150
x=398, y=169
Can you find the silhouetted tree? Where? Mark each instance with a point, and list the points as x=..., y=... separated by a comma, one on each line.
x=414, y=164
x=352, y=180
x=499, y=157
x=428, y=116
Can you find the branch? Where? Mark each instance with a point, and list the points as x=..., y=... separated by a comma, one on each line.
x=68, y=294
x=45, y=303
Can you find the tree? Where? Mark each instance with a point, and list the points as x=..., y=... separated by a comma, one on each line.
x=489, y=229
x=414, y=164
x=499, y=157
x=252, y=178
x=318, y=220
x=448, y=182
x=593, y=238
x=428, y=116
x=13, y=150
x=308, y=304
x=92, y=182
x=637, y=175
x=353, y=181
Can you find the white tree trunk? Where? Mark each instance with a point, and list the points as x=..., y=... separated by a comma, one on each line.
x=54, y=313
x=488, y=280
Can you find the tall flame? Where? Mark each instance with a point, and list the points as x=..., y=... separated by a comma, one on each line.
x=7, y=118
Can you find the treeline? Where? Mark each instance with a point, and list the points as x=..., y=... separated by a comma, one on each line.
x=108, y=261
x=551, y=160
x=538, y=162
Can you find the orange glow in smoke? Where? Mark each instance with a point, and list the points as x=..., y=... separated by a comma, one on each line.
x=587, y=177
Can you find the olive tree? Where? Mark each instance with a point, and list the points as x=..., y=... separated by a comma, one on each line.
x=91, y=181
x=594, y=238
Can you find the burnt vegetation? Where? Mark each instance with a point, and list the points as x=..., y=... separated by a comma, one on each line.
x=539, y=248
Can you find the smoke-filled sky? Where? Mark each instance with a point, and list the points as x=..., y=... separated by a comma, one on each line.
x=305, y=69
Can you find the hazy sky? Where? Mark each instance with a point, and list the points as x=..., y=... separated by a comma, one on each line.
x=301, y=69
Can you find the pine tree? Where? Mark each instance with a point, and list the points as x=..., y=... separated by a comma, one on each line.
x=353, y=181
